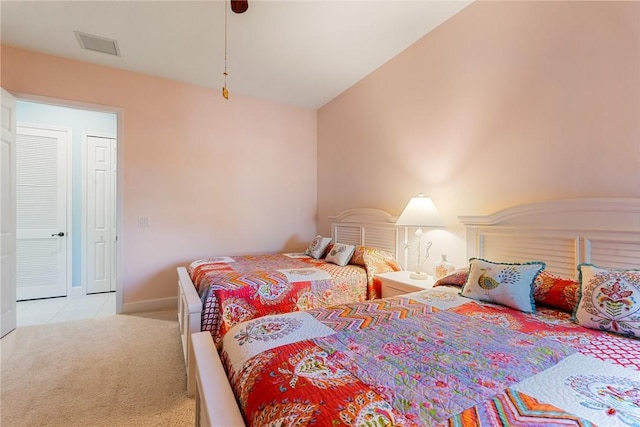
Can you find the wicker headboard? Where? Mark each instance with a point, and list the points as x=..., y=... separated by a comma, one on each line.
x=562, y=233
x=366, y=226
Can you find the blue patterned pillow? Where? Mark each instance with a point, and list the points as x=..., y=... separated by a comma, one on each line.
x=509, y=284
x=609, y=300
x=318, y=246
x=340, y=254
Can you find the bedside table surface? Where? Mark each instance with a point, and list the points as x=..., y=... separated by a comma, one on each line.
x=403, y=278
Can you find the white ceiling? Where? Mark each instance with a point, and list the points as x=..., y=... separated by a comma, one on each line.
x=296, y=52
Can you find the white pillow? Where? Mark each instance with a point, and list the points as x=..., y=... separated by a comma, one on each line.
x=609, y=300
x=340, y=254
x=318, y=246
x=509, y=284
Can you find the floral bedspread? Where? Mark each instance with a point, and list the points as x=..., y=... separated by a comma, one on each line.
x=430, y=359
x=239, y=288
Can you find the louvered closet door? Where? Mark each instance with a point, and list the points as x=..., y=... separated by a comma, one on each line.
x=41, y=212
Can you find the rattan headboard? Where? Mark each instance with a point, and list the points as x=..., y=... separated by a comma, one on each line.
x=562, y=233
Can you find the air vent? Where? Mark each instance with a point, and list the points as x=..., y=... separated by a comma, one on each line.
x=97, y=43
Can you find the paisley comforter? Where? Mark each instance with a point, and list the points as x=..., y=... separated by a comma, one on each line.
x=430, y=359
x=239, y=288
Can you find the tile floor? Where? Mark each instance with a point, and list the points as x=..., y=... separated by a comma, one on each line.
x=51, y=310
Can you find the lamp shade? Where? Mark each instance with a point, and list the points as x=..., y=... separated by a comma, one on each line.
x=420, y=212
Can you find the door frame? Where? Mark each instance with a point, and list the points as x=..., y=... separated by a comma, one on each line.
x=85, y=137
x=68, y=177
x=119, y=112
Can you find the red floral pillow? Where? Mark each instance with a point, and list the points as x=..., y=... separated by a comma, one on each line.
x=456, y=278
x=375, y=261
x=557, y=292
x=365, y=254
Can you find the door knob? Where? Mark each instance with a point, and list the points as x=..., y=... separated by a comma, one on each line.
x=60, y=234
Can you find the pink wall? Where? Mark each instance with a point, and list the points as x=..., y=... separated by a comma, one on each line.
x=505, y=103
x=215, y=177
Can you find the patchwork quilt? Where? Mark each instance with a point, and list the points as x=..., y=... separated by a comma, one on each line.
x=239, y=288
x=431, y=358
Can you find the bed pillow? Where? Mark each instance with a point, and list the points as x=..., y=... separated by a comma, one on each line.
x=318, y=246
x=457, y=277
x=375, y=261
x=364, y=255
x=340, y=254
x=556, y=292
x=509, y=284
x=609, y=300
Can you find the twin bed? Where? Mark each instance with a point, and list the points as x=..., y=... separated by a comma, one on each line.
x=217, y=293
x=476, y=351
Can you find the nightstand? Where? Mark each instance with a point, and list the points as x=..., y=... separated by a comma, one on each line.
x=399, y=282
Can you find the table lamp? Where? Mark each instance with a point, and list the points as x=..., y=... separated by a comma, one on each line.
x=420, y=212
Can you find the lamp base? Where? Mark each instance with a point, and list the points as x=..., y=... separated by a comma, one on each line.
x=418, y=276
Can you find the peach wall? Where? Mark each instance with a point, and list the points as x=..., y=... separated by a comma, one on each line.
x=505, y=103
x=215, y=177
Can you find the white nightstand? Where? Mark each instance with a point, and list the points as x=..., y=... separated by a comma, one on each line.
x=399, y=282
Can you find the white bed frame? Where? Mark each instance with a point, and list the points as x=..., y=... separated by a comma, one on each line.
x=361, y=226
x=562, y=233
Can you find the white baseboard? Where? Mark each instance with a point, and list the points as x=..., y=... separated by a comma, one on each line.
x=150, y=305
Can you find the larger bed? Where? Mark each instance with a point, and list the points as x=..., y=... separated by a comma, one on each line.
x=440, y=358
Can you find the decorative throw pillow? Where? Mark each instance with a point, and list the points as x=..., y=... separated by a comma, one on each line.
x=457, y=278
x=340, y=254
x=375, y=261
x=365, y=254
x=609, y=300
x=318, y=246
x=509, y=284
x=555, y=291
x=358, y=255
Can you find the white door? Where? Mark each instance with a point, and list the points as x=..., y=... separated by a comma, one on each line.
x=8, y=215
x=101, y=219
x=41, y=220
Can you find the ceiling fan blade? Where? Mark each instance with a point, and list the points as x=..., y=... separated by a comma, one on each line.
x=239, y=6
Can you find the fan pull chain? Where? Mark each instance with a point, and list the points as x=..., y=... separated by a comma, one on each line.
x=225, y=91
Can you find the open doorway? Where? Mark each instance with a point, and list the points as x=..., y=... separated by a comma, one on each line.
x=66, y=192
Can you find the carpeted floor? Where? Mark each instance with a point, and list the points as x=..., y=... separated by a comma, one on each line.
x=122, y=370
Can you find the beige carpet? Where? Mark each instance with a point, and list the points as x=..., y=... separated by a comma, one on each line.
x=122, y=370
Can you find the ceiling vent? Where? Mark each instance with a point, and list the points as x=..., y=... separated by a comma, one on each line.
x=97, y=43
